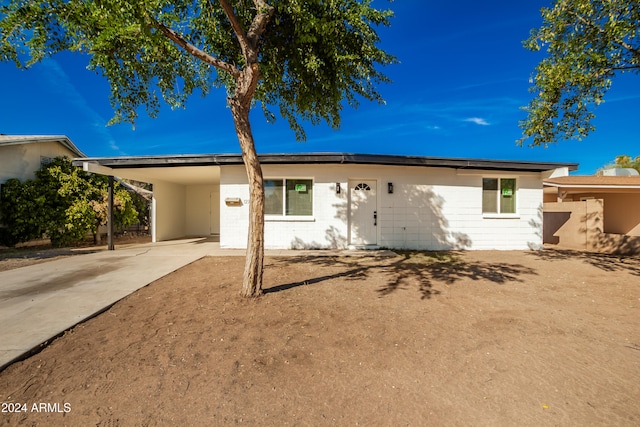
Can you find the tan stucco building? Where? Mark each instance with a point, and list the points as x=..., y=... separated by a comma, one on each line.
x=600, y=213
x=22, y=156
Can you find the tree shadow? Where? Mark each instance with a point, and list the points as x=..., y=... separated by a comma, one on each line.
x=420, y=270
x=352, y=271
x=427, y=268
x=605, y=262
x=620, y=245
x=334, y=240
x=410, y=218
x=538, y=229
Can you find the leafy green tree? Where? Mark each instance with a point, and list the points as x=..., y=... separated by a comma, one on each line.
x=304, y=58
x=63, y=203
x=21, y=212
x=76, y=202
x=588, y=42
x=64, y=188
x=625, y=161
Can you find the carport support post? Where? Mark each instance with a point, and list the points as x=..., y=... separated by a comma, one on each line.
x=110, y=216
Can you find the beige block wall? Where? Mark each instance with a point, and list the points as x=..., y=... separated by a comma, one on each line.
x=572, y=225
x=621, y=212
x=581, y=225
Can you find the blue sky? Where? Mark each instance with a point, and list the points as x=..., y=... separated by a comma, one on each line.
x=457, y=91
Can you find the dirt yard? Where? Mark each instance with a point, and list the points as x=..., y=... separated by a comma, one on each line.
x=474, y=338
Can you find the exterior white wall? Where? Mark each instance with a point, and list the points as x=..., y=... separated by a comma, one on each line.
x=326, y=228
x=202, y=213
x=22, y=160
x=169, y=217
x=430, y=208
x=215, y=210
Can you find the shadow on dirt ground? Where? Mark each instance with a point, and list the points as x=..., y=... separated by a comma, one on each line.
x=605, y=262
x=409, y=269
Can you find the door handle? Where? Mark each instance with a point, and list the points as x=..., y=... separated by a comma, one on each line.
x=375, y=218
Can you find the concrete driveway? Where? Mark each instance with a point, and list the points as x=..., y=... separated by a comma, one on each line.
x=41, y=301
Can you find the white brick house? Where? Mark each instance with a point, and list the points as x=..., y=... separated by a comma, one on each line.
x=347, y=200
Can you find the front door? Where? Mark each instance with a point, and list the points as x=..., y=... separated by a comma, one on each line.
x=363, y=213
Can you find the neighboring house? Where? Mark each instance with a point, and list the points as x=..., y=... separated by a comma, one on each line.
x=346, y=200
x=22, y=156
x=599, y=213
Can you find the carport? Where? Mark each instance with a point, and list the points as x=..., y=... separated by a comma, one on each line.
x=186, y=191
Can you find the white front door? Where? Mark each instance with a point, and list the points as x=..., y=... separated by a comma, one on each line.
x=363, y=213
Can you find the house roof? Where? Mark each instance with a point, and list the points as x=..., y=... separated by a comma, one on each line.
x=596, y=182
x=28, y=139
x=325, y=158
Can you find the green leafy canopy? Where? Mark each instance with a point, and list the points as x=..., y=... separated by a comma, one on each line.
x=313, y=54
x=62, y=202
x=588, y=42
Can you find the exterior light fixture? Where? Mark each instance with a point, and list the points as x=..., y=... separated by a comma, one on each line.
x=390, y=187
x=337, y=188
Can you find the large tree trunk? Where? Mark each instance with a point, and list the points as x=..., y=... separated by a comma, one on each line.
x=253, y=267
x=246, y=82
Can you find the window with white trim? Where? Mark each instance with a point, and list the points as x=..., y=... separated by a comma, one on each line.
x=499, y=195
x=288, y=197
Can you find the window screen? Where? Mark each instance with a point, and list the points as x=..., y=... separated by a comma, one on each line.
x=273, y=196
x=499, y=195
x=289, y=197
x=299, y=197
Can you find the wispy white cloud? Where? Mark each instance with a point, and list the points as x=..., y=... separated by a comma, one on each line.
x=458, y=109
x=622, y=98
x=490, y=83
x=477, y=120
x=63, y=84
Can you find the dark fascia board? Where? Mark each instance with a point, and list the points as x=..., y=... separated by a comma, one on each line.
x=324, y=158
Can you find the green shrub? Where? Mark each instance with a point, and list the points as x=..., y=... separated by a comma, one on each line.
x=63, y=202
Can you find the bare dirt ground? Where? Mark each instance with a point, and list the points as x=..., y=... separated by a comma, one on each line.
x=472, y=338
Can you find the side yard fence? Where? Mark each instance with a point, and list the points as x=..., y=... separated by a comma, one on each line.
x=580, y=225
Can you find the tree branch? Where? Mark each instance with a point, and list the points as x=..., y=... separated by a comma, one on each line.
x=178, y=39
x=623, y=68
x=635, y=52
x=249, y=40
x=259, y=24
x=233, y=19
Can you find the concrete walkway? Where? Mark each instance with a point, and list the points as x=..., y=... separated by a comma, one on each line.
x=39, y=302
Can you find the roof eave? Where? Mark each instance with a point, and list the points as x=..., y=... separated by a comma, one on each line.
x=326, y=158
x=29, y=139
x=592, y=186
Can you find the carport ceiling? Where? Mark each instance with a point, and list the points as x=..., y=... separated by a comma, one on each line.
x=183, y=175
